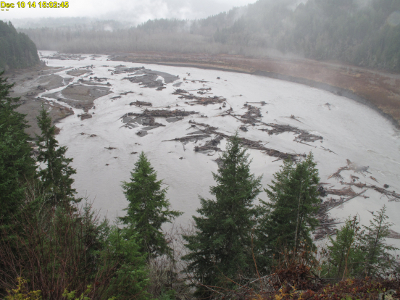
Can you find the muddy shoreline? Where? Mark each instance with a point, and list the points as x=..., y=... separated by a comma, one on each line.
x=28, y=83
x=378, y=90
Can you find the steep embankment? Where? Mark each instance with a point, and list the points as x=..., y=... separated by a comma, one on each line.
x=16, y=49
x=379, y=90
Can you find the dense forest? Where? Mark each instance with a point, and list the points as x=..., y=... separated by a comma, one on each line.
x=362, y=33
x=54, y=246
x=16, y=49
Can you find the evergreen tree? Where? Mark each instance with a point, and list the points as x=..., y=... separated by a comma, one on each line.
x=56, y=177
x=17, y=167
x=378, y=260
x=131, y=275
x=221, y=248
x=345, y=257
x=148, y=208
x=16, y=49
x=289, y=217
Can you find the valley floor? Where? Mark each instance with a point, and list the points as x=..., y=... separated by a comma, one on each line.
x=377, y=89
x=181, y=110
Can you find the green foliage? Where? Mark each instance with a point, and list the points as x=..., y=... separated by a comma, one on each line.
x=378, y=260
x=359, y=253
x=131, y=277
x=56, y=177
x=16, y=49
x=148, y=208
x=17, y=167
x=345, y=256
x=169, y=295
x=72, y=295
x=66, y=251
x=22, y=293
x=289, y=217
x=221, y=248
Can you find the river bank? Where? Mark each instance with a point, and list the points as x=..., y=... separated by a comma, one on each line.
x=28, y=84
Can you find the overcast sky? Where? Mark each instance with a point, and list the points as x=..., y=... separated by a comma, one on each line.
x=136, y=11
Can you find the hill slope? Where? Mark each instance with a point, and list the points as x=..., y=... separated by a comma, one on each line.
x=16, y=49
x=362, y=33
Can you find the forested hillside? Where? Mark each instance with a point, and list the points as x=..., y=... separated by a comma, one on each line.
x=362, y=33
x=365, y=35
x=16, y=49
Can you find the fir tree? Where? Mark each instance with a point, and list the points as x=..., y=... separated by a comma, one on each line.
x=289, y=217
x=17, y=167
x=131, y=275
x=221, y=248
x=345, y=256
x=377, y=258
x=56, y=177
x=148, y=208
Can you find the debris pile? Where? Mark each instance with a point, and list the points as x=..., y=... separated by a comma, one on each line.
x=162, y=113
x=391, y=195
x=197, y=99
x=147, y=78
x=147, y=118
x=393, y=234
x=126, y=93
x=140, y=103
x=302, y=135
x=337, y=174
x=252, y=114
x=260, y=102
x=98, y=79
x=122, y=69
x=191, y=138
x=271, y=152
x=203, y=91
x=346, y=191
x=350, y=166
x=207, y=130
x=210, y=145
x=92, y=81
x=252, y=117
x=85, y=116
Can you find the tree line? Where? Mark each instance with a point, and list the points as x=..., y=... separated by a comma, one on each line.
x=363, y=34
x=17, y=51
x=53, y=246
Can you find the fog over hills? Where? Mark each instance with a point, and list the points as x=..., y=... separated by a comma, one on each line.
x=355, y=32
x=132, y=12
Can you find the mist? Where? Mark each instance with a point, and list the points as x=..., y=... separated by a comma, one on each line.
x=132, y=12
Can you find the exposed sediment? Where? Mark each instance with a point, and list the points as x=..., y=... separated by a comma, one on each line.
x=80, y=96
x=211, y=145
x=374, y=88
